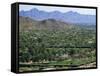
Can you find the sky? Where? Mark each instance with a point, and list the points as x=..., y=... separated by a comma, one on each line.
x=61, y=9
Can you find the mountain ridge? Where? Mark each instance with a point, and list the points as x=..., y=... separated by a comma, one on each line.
x=72, y=17
x=27, y=23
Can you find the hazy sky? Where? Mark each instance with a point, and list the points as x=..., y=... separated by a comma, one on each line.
x=61, y=9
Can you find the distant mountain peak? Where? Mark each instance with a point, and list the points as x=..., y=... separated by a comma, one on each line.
x=72, y=12
x=34, y=10
x=70, y=16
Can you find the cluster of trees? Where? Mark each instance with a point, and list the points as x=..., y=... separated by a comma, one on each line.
x=45, y=45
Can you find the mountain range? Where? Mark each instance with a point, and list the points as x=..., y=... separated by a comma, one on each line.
x=70, y=17
x=27, y=23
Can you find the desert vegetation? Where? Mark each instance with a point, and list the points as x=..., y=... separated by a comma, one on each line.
x=52, y=45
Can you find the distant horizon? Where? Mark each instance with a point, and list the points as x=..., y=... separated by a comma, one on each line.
x=84, y=11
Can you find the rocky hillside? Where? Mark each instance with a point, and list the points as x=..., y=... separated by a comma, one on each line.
x=26, y=23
